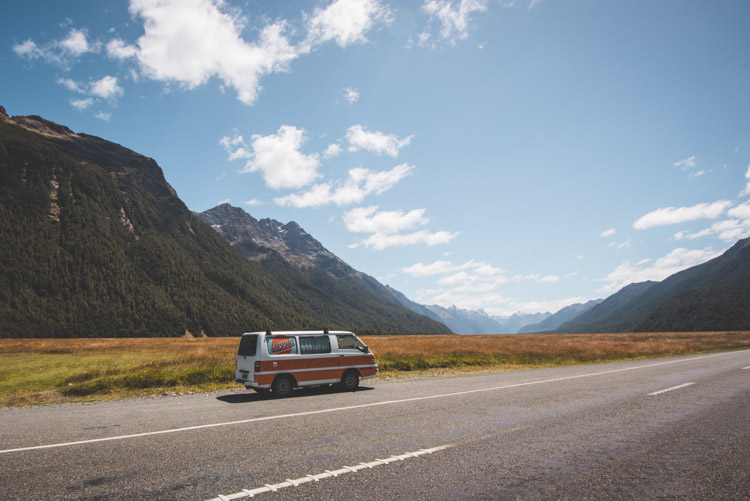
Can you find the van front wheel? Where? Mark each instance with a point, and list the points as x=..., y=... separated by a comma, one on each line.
x=350, y=381
x=282, y=386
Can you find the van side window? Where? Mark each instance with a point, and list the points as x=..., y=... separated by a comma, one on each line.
x=281, y=345
x=248, y=346
x=314, y=344
x=349, y=342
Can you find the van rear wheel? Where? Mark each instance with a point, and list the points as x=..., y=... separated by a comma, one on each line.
x=282, y=386
x=350, y=380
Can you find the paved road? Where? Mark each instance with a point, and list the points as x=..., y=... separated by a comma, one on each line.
x=585, y=432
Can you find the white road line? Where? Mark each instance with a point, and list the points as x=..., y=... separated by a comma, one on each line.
x=327, y=474
x=745, y=368
x=670, y=389
x=362, y=406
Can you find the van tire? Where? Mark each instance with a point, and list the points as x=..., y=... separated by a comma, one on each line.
x=282, y=386
x=350, y=380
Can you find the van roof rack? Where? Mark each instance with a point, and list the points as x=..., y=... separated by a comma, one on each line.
x=268, y=332
x=325, y=331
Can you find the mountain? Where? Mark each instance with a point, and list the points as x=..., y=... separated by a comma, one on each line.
x=563, y=315
x=711, y=296
x=96, y=243
x=595, y=315
x=463, y=321
x=286, y=249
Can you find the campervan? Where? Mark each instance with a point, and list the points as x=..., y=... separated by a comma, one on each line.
x=282, y=361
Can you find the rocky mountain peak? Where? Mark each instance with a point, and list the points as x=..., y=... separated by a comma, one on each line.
x=44, y=127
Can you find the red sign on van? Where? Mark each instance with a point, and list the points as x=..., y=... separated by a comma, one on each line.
x=282, y=345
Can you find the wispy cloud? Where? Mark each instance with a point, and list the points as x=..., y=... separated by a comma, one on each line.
x=608, y=233
x=375, y=142
x=359, y=184
x=674, y=215
x=351, y=95
x=453, y=17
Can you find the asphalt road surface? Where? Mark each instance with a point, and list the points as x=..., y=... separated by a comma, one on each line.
x=604, y=431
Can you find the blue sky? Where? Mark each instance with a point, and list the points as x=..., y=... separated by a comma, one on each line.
x=497, y=155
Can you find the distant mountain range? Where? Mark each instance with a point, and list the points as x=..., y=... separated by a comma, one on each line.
x=566, y=314
x=96, y=243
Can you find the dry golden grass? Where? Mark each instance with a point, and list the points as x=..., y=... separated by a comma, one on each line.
x=40, y=371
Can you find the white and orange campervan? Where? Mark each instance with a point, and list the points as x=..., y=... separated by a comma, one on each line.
x=281, y=361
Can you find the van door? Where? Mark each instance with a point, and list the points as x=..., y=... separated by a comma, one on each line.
x=246, y=357
x=352, y=352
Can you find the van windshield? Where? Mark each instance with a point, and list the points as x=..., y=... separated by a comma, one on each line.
x=348, y=341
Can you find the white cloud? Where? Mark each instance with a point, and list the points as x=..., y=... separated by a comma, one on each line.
x=81, y=104
x=277, y=157
x=332, y=151
x=686, y=164
x=70, y=85
x=28, y=49
x=105, y=88
x=445, y=267
x=345, y=21
x=368, y=220
x=386, y=228
x=454, y=19
x=608, y=233
x=677, y=260
x=673, y=215
x=103, y=116
x=376, y=142
x=695, y=174
x=190, y=41
x=359, y=184
x=380, y=241
x=253, y=202
x=746, y=191
x=225, y=201
x=59, y=52
x=742, y=211
x=351, y=95
x=76, y=43
x=117, y=49
x=732, y=229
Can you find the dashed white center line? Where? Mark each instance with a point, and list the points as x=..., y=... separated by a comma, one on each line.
x=670, y=389
x=244, y=493
x=745, y=368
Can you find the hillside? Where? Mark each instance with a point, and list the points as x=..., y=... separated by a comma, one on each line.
x=96, y=243
x=712, y=296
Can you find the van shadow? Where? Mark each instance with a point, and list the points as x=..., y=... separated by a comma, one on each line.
x=252, y=396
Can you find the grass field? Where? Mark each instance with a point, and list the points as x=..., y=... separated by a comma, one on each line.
x=43, y=371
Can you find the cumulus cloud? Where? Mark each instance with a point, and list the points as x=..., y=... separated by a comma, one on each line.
x=190, y=41
x=351, y=95
x=674, y=215
x=76, y=43
x=360, y=183
x=445, y=267
x=332, y=151
x=276, y=156
x=345, y=21
x=81, y=104
x=677, y=260
x=71, y=85
x=61, y=52
x=117, y=49
x=454, y=17
x=376, y=142
x=106, y=88
x=386, y=227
